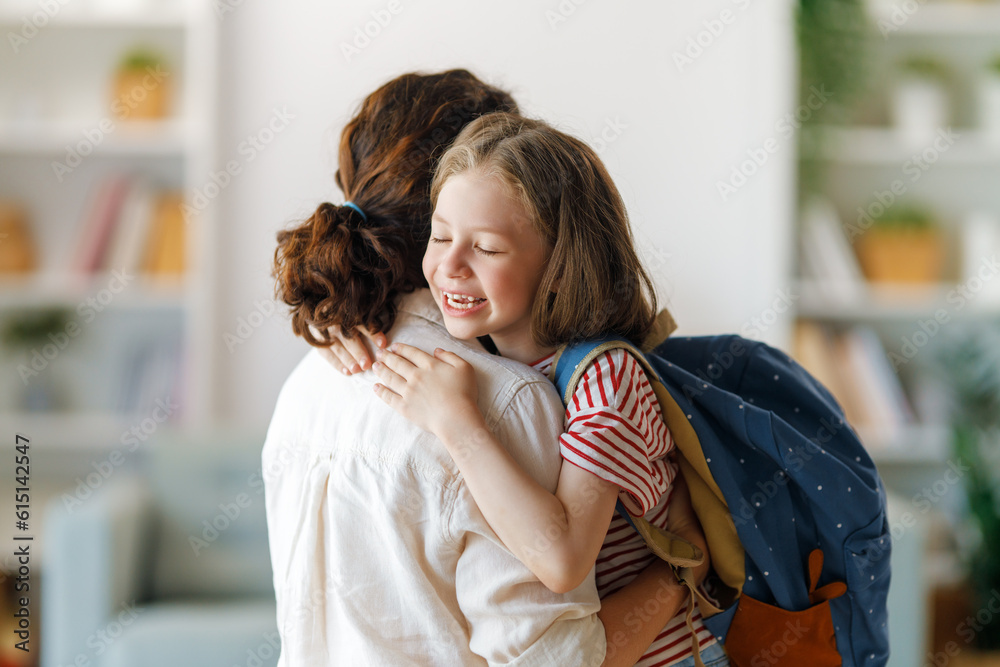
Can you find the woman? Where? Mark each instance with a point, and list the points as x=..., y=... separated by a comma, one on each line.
x=380, y=555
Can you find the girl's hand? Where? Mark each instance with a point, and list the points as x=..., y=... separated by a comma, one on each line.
x=437, y=393
x=351, y=355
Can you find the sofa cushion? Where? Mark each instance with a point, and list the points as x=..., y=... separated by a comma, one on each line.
x=210, y=537
x=194, y=635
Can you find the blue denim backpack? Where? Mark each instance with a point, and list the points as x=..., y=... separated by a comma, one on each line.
x=793, y=509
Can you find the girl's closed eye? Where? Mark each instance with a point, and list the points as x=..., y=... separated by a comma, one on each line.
x=481, y=250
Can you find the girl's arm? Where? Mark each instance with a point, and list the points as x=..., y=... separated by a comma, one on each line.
x=681, y=520
x=634, y=616
x=629, y=626
x=557, y=536
x=439, y=394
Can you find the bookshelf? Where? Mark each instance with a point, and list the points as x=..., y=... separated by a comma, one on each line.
x=882, y=147
x=136, y=321
x=948, y=165
x=891, y=303
x=140, y=138
x=955, y=178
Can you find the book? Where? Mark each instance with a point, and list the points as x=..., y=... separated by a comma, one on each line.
x=151, y=377
x=813, y=349
x=17, y=244
x=853, y=365
x=890, y=387
x=99, y=220
x=879, y=394
x=131, y=231
x=165, y=253
x=980, y=245
x=827, y=254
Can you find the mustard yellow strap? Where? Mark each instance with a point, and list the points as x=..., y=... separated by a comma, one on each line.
x=706, y=497
x=709, y=504
x=707, y=606
x=695, y=648
x=672, y=548
x=663, y=326
x=687, y=579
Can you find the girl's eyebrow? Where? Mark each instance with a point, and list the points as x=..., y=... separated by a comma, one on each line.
x=483, y=228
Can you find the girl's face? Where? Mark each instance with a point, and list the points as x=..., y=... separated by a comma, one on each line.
x=484, y=263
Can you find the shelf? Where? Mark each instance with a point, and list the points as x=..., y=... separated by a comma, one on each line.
x=897, y=302
x=158, y=326
x=940, y=18
x=69, y=17
x=61, y=291
x=919, y=444
x=88, y=431
x=138, y=138
x=884, y=146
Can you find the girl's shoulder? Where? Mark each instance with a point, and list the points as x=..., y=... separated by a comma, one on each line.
x=617, y=361
x=612, y=379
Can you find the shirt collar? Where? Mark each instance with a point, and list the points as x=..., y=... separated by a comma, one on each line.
x=421, y=303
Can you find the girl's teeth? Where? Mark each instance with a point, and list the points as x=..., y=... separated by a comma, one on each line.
x=461, y=302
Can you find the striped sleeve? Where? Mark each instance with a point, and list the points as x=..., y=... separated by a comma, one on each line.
x=615, y=431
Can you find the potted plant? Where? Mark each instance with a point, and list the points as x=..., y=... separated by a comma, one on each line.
x=903, y=245
x=834, y=40
x=28, y=334
x=919, y=105
x=969, y=359
x=141, y=87
x=989, y=100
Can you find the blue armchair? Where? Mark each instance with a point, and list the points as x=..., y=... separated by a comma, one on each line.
x=164, y=564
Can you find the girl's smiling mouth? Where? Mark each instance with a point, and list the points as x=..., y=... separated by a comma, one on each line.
x=461, y=304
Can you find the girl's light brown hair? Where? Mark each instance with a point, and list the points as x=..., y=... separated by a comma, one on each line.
x=595, y=283
x=340, y=269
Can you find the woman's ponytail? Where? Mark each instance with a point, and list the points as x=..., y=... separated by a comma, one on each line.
x=337, y=270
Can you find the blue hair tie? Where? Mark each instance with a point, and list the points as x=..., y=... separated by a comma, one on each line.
x=357, y=208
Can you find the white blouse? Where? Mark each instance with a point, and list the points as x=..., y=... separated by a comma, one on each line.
x=379, y=552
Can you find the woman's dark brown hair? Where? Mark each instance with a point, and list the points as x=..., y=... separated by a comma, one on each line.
x=338, y=269
x=594, y=284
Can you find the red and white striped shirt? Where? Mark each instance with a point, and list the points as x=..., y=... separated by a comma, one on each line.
x=614, y=430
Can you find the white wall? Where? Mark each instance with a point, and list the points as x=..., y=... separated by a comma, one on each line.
x=721, y=263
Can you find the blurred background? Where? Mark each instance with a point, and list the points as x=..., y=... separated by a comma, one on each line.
x=823, y=175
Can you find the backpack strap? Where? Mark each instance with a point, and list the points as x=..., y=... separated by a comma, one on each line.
x=670, y=547
x=568, y=367
x=663, y=326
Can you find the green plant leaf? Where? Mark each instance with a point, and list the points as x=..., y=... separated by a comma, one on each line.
x=969, y=359
x=905, y=217
x=994, y=64
x=140, y=58
x=925, y=67
x=26, y=329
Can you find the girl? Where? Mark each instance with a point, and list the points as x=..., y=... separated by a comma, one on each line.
x=530, y=245
x=347, y=267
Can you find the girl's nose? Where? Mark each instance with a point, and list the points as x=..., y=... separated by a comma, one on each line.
x=454, y=264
